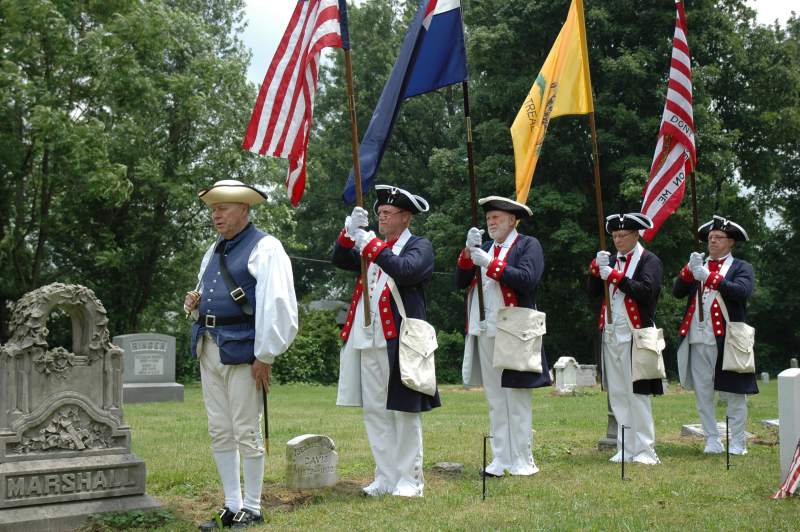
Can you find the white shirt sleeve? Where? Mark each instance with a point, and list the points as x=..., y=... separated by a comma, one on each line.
x=276, y=311
x=203, y=265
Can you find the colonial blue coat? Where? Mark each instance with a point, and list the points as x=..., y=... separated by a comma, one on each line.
x=644, y=287
x=735, y=289
x=411, y=270
x=524, y=264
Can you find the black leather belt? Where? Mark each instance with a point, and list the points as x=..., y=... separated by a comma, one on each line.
x=210, y=321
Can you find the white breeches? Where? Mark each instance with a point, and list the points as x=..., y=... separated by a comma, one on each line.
x=510, y=418
x=703, y=362
x=632, y=410
x=395, y=437
x=233, y=403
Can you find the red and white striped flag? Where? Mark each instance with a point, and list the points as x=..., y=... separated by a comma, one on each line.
x=792, y=482
x=281, y=121
x=675, y=155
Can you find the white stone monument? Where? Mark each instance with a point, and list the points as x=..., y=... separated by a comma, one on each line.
x=311, y=461
x=789, y=415
x=587, y=375
x=149, y=368
x=566, y=369
x=765, y=377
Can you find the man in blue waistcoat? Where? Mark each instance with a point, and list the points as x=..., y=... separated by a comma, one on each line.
x=634, y=284
x=246, y=315
x=730, y=280
x=369, y=373
x=511, y=266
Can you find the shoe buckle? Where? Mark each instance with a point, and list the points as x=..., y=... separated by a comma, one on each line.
x=211, y=321
x=237, y=294
x=239, y=516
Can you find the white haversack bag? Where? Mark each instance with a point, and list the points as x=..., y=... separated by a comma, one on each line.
x=646, y=359
x=417, y=344
x=738, y=354
x=518, y=343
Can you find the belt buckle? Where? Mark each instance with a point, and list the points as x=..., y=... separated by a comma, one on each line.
x=237, y=294
x=211, y=321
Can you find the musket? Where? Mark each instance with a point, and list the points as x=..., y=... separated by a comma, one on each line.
x=266, y=419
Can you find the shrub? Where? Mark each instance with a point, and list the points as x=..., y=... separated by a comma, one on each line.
x=314, y=354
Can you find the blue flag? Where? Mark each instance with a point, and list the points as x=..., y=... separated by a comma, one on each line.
x=432, y=56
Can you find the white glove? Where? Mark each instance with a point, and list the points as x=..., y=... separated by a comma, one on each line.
x=358, y=218
x=700, y=273
x=362, y=238
x=602, y=258
x=480, y=257
x=474, y=237
x=696, y=260
x=605, y=271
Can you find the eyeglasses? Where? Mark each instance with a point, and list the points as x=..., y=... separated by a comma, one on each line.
x=619, y=235
x=387, y=214
x=714, y=238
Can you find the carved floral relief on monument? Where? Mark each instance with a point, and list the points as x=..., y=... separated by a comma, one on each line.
x=69, y=428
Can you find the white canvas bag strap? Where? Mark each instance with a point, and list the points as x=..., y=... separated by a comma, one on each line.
x=396, y=295
x=723, y=308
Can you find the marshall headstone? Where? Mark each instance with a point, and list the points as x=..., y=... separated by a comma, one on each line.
x=149, y=368
x=65, y=450
x=311, y=462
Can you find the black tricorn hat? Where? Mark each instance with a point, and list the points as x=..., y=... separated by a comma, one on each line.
x=402, y=199
x=631, y=220
x=718, y=223
x=499, y=203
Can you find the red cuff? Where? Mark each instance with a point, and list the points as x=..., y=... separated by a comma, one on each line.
x=686, y=275
x=594, y=269
x=373, y=249
x=464, y=262
x=713, y=280
x=345, y=241
x=495, y=269
x=615, y=276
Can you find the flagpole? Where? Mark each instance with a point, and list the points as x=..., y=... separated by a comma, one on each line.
x=696, y=237
x=473, y=191
x=598, y=199
x=351, y=104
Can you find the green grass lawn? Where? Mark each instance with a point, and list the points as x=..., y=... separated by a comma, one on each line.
x=577, y=487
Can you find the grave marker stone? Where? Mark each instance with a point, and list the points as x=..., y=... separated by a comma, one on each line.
x=149, y=362
x=65, y=450
x=311, y=461
x=566, y=369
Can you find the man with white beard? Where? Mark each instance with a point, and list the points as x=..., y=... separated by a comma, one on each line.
x=511, y=266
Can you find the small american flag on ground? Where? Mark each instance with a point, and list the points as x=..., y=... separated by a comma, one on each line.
x=281, y=121
x=792, y=482
x=675, y=155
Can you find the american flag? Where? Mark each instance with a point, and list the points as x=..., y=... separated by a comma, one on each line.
x=281, y=121
x=792, y=482
x=675, y=155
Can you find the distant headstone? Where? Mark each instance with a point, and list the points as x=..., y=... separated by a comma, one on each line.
x=771, y=423
x=149, y=362
x=566, y=369
x=696, y=430
x=793, y=363
x=587, y=375
x=448, y=467
x=789, y=414
x=764, y=377
x=311, y=462
x=65, y=451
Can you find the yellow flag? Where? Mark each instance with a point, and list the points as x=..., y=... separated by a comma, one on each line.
x=563, y=87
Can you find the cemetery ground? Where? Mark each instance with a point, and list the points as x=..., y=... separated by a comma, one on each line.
x=576, y=488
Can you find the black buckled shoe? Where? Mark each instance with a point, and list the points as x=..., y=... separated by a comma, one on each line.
x=246, y=518
x=224, y=517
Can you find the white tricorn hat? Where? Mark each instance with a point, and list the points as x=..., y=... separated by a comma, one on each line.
x=231, y=191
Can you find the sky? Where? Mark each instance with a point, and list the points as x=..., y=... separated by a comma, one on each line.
x=267, y=19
